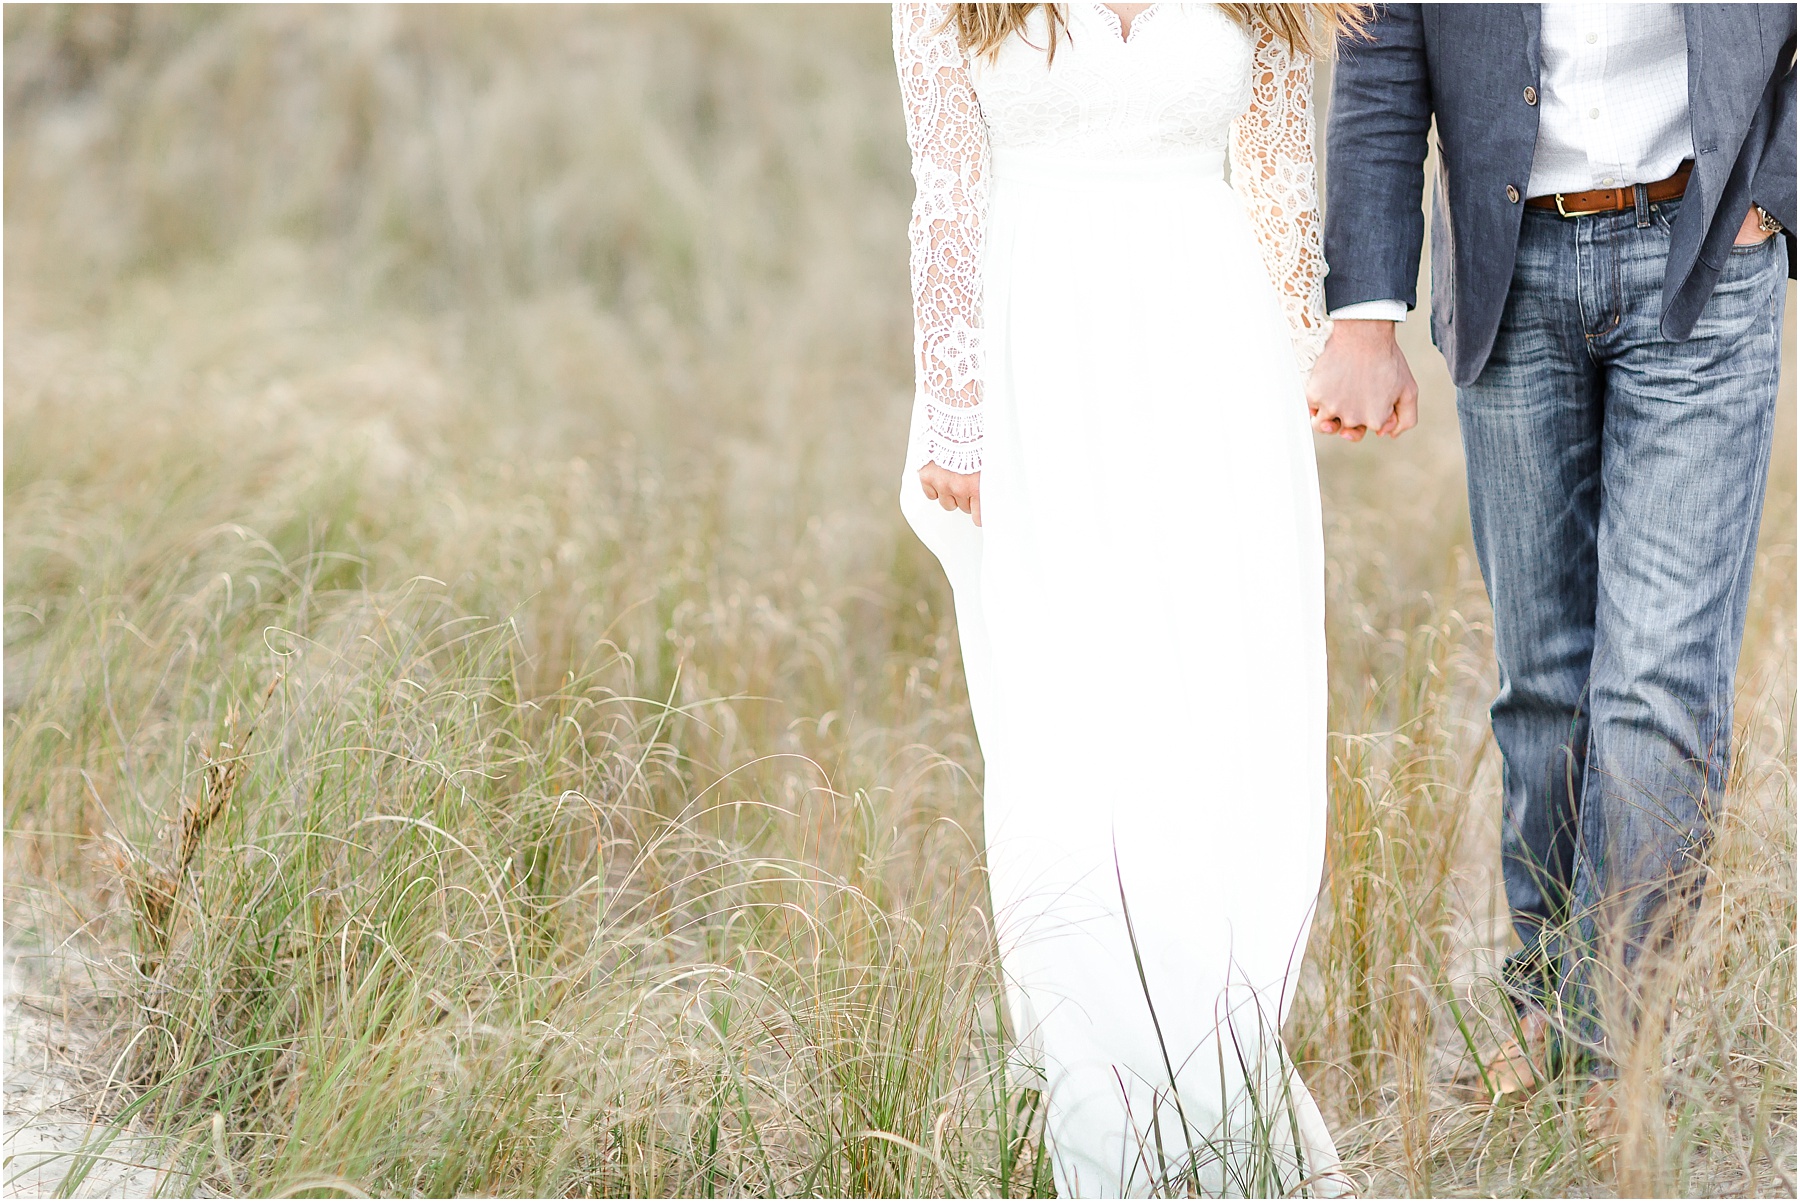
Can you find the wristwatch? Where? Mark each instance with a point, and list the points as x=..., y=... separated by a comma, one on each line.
x=1765, y=221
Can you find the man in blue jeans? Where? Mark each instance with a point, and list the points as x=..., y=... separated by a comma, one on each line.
x=1611, y=240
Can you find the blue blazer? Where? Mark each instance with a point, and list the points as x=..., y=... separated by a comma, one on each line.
x=1468, y=66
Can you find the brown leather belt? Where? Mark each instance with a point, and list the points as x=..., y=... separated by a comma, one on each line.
x=1611, y=200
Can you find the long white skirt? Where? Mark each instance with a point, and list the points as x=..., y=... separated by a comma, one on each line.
x=1142, y=624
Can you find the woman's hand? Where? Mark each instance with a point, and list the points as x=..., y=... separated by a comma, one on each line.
x=952, y=490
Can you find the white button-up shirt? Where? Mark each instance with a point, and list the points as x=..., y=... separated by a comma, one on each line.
x=1613, y=97
x=1613, y=91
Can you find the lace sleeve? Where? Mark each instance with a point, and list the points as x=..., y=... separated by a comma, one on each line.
x=949, y=145
x=1272, y=169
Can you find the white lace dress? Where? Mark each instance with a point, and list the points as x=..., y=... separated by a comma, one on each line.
x=1110, y=334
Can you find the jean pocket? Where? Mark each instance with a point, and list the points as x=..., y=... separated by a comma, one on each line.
x=1751, y=248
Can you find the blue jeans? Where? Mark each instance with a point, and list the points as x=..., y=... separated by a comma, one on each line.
x=1616, y=484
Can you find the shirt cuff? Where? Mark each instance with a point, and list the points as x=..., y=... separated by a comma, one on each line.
x=1375, y=310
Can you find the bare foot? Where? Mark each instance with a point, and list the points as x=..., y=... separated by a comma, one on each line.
x=1514, y=1070
x=1600, y=1102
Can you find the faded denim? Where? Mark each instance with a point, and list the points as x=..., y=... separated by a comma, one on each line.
x=1616, y=484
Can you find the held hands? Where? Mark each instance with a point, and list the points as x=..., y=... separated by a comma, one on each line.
x=1361, y=383
x=952, y=490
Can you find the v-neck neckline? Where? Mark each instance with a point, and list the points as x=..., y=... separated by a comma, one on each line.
x=1120, y=33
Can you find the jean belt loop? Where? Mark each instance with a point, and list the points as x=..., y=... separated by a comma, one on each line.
x=1641, y=193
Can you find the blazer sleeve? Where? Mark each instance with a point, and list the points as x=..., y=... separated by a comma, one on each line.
x=1375, y=161
x=1774, y=184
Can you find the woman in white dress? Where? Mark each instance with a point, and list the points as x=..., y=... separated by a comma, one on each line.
x=1110, y=454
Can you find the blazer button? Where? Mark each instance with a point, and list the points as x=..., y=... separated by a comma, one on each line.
x=1530, y=95
x=1512, y=194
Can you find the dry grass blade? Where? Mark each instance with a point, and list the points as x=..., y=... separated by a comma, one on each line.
x=220, y=783
x=151, y=888
x=525, y=387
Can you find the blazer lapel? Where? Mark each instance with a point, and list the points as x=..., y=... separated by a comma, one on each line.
x=1533, y=17
x=1693, y=16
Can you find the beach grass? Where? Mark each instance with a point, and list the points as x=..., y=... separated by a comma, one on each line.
x=476, y=712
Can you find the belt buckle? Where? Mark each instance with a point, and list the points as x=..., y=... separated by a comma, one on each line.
x=1577, y=213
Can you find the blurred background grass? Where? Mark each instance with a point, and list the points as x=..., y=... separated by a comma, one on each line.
x=478, y=716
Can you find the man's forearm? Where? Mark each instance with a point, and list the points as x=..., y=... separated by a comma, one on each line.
x=1361, y=332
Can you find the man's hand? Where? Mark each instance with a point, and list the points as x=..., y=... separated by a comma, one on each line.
x=1750, y=230
x=952, y=490
x=1362, y=383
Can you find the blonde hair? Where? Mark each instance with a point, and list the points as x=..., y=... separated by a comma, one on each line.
x=1310, y=29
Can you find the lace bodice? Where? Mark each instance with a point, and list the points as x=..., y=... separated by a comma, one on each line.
x=1188, y=79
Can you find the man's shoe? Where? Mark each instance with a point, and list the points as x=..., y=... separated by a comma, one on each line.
x=1518, y=1067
